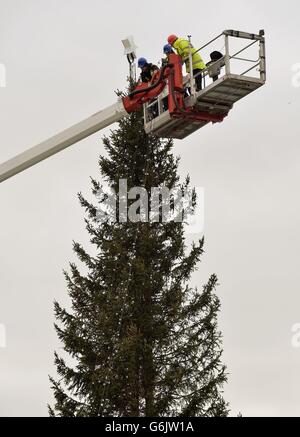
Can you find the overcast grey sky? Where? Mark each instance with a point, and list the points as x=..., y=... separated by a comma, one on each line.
x=63, y=60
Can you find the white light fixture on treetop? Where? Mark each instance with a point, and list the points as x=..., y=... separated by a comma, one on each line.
x=130, y=51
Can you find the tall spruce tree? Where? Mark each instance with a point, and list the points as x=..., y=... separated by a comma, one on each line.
x=144, y=342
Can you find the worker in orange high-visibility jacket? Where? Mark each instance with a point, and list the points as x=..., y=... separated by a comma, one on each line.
x=183, y=49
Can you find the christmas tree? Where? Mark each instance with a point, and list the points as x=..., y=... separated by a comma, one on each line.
x=143, y=341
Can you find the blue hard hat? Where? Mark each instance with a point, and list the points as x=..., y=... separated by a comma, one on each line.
x=168, y=49
x=142, y=62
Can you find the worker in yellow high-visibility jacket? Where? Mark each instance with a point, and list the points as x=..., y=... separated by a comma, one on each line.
x=183, y=48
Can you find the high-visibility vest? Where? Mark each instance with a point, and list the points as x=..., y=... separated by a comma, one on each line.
x=183, y=49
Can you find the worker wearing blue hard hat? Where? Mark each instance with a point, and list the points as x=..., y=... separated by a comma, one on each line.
x=142, y=62
x=148, y=70
x=168, y=49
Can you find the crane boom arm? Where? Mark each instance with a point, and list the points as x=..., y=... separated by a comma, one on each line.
x=61, y=141
x=133, y=102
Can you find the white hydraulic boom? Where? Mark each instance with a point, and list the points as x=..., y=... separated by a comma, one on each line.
x=61, y=141
x=72, y=135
